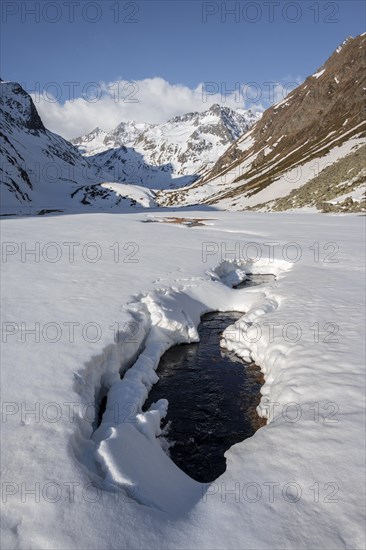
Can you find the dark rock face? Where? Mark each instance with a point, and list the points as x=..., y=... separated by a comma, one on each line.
x=20, y=109
x=32, y=158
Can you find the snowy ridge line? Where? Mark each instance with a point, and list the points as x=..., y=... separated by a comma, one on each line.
x=126, y=445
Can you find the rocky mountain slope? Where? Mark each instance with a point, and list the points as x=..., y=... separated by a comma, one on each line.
x=166, y=155
x=41, y=171
x=306, y=150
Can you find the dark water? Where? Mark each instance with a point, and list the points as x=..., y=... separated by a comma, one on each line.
x=255, y=280
x=212, y=397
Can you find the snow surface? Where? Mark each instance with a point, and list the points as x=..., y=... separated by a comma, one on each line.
x=154, y=294
x=143, y=196
x=319, y=73
x=300, y=175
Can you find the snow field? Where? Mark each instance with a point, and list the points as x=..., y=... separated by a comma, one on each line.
x=297, y=482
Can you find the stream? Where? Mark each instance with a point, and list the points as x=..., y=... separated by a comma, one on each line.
x=212, y=396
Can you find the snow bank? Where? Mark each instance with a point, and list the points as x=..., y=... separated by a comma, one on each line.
x=174, y=316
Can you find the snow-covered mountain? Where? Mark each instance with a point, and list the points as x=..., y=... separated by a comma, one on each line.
x=171, y=154
x=41, y=171
x=307, y=150
x=98, y=141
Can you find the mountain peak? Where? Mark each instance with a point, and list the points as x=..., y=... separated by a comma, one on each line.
x=18, y=107
x=215, y=108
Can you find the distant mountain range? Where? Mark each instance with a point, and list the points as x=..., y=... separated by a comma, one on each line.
x=306, y=151
x=166, y=155
x=41, y=171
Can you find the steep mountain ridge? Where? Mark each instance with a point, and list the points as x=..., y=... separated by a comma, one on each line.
x=40, y=170
x=316, y=125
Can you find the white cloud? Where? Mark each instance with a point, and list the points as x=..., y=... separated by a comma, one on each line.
x=151, y=100
x=282, y=89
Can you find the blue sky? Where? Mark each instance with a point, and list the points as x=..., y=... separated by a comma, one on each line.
x=184, y=43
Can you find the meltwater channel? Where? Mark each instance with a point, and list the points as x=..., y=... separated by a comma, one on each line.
x=212, y=396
